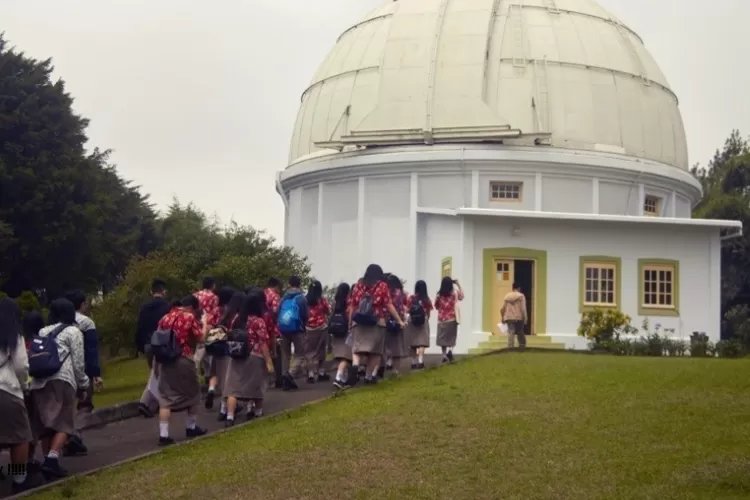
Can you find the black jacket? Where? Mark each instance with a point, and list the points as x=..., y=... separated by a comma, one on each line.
x=148, y=319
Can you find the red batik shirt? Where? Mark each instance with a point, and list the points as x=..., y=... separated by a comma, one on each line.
x=318, y=314
x=426, y=303
x=381, y=298
x=446, y=306
x=209, y=303
x=257, y=334
x=399, y=302
x=187, y=330
x=273, y=302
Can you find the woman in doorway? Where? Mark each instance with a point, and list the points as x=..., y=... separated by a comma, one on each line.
x=316, y=334
x=338, y=327
x=395, y=345
x=230, y=304
x=15, y=433
x=369, y=306
x=246, y=377
x=419, y=306
x=446, y=304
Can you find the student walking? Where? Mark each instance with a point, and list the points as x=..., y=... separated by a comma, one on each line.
x=249, y=365
x=179, y=389
x=338, y=328
x=231, y=303
x=148, y=320
x=515, y=315
x=273, y=302
x=370, y=305
x=15, y=432
x=57, y=368
x=395, y=342
x=420, y=308
x=293, y=315
x=446, y=304
x=316, y=337
x=208, y=302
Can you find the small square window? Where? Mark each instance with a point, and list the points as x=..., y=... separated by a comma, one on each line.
x=505, y=191
x=652, y=206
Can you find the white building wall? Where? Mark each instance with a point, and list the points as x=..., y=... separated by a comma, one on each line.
x=386, y=221
x=441, y=191
x=617, y=198
x=566, y=194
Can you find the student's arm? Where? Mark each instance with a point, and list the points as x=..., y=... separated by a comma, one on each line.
x=304, y=312
x=525, y=312
x=21, y=363
x=91, y=349
x=77, y=355
x=459, y=291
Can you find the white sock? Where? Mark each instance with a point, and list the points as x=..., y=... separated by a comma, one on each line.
x=164, y=429
x=321, y=371
x=211, y=388
x=310, y=374
x=190, y=421
x=421, y=358
x=375, y=372
x=53, y=455
x=340, y=374
x=223, y=408
x=230, y=415
x=19, y=478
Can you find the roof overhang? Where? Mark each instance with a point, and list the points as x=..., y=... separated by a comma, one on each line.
x=730, y=228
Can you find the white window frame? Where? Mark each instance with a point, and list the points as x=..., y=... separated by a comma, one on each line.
x=657, y=202
x=506, y=187
x=658, y=268
x=599, y=291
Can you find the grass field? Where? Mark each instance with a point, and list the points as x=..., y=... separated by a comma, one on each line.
x=533, y=425
x=124, y=379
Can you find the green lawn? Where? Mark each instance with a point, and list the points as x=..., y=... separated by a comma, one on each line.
x=124, y=380
x=534, y=425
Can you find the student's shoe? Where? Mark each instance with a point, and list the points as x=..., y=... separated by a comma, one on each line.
x=445, y=359
x=210, y=399
x=450, y=356
x=229, y=423
x=52, y=470
x=32, y=481
x=414, y=366
x=289, y=383
x=420, y=366
x=339, y=384
x=167, y=441
x=381, y=372
x=389, y=367
x=145, y=411
x=74, y=447
x=222, y=417
x=323, y=377
x=195, y=432
x=310, y=380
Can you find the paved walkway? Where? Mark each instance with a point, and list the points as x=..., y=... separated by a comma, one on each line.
x=129, y=438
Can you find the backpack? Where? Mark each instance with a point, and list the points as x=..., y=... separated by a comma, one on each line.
x=290, y=321
x=417, y=313
x=216, y=341
x=44, y=357
x=338, y=326
x=164, y=346
x=237, y=344
x=365, y=314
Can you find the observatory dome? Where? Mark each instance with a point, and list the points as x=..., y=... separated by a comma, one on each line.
x=560, y=73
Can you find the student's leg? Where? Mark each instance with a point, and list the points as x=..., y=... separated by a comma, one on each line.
x=420, y=355
x=231, y=408
x=373, y=363
x=299, y=354
x=164, y=414
x=19, y=458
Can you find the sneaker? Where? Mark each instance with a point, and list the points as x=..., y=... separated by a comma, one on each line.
x=339, y=384
x=445, y=359
x=75, y=447
x=450, y=356
x=166, y=441
x=210, y=399
x=52, y=470
x=310, y=380
x=420, y=366
x=289, y=383
x=32, y=481
x=228, y=423
x=323, y=377
x=195, y=432
x=414, y=366
x=389, y=367
x=222, y=417
x=145, y=411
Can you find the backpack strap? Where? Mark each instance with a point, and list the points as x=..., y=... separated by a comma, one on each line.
x=57, y=331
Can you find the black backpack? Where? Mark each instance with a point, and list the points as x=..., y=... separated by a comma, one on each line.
x=365, y=314
x=237, y=344
x=338, y=326
x=164, y=346
x=44, y=357
x=417, y=314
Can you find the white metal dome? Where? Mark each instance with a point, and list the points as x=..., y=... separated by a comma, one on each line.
x=563, y=73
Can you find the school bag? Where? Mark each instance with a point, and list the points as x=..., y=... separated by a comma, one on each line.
x=44, y=357
x=417, y=314
x=391, y=324
x=290, y=321
x=216, y=341
x=338, y=326
x=237, y=344
x=365, y=314
x=164, y=345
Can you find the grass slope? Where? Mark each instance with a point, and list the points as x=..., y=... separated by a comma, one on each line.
x=124, y=379
x=535, y=425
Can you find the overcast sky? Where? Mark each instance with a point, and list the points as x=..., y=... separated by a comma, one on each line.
x=198, y=99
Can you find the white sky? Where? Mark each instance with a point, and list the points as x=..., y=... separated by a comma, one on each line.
x=198, y=99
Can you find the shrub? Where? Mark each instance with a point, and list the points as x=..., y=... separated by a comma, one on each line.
x=732, y=348
x=700, y=346
x=28, y=302
x=601, y=326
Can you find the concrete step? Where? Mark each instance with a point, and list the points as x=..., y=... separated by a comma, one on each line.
x=487, y=350
x=500, y=342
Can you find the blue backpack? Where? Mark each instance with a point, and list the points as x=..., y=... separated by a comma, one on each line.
x=290, y=321
x=44, y=358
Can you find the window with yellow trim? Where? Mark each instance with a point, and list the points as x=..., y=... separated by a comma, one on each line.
x=658, y=286
x=599, y=284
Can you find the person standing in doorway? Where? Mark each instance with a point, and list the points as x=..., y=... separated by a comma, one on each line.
x=515, y=315
x=446, y=304
x=293, y=316
x=148, y=319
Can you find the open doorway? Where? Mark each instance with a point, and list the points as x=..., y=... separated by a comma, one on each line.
x=524, y=276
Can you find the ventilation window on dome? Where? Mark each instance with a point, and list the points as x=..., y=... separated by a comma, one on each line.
x=505, y=191
x=652, y=206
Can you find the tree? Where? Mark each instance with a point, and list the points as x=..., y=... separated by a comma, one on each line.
x=66, y=217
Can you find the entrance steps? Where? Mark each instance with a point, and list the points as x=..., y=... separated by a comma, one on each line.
x=500, y=342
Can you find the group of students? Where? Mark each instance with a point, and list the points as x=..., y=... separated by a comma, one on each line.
x=47, y=374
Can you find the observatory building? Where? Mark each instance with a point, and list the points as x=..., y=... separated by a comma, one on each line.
x=533, y=141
